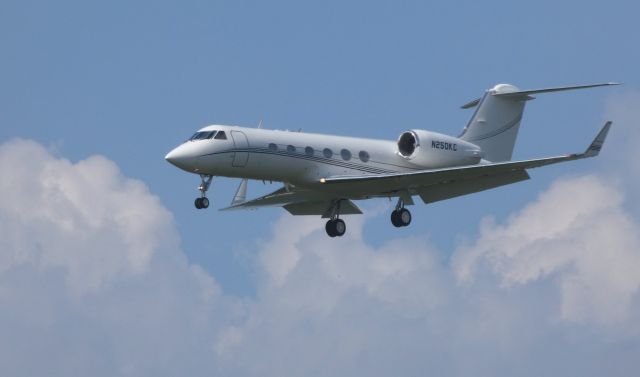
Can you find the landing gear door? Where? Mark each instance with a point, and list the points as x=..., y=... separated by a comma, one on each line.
x=241, y=144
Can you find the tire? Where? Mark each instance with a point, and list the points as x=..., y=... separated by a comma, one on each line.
x=198, y=203
x=395, y=219
x=340, y=227
x=330, y=228
x=204, y=202
x=404, y=217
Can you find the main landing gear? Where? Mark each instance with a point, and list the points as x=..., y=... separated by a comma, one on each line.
x=400, y=216
x=203, y=201
x=335, y=226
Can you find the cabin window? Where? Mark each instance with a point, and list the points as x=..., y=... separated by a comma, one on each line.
x=291, y=149
x=273, y=147
x=346, y=155
x=309, y=151
x=221, y=136
x=328, y=153
x=364, y=156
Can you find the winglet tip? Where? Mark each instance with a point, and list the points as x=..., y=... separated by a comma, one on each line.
x=594, y=148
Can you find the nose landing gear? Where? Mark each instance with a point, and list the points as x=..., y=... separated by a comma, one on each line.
x=203, y=201
x=400, y=216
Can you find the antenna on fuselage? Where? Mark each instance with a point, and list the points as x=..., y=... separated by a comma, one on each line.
x=260, y=124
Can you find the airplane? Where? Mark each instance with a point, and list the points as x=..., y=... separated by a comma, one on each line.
x=324, y=174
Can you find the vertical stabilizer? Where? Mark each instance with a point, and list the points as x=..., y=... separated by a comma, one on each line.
x=494, y=126
x=495, y=123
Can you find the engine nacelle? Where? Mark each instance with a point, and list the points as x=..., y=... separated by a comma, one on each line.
x=431, y=150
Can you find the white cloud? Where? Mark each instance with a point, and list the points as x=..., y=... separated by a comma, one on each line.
x=56, y=214
x=92, y=281
x=577, y=232
x=564, y=267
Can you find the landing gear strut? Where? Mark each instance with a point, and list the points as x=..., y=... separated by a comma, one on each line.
x=335, y=226
x=203, y=201
x=400, y=216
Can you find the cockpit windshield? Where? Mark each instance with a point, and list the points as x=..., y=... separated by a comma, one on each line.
x=203, y=135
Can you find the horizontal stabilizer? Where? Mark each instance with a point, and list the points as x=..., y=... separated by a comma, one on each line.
x=527, y=93
x=471, y=104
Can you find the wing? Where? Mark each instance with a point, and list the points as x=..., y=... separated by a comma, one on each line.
x=431, y=185
x=438, y=184
x=299, y=202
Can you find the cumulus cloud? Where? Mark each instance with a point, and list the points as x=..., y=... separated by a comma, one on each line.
x=576, y=232
x=555, y=277
x=56, y=214
x=93, y=281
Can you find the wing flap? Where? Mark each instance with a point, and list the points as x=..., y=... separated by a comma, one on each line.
x=415, y=180
x=347, y=207
x=439, y=192
x=277, y=198
x=299, y=202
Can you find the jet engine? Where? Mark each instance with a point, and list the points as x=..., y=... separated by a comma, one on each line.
x=431, y=150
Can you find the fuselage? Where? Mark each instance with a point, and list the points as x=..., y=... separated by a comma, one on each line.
x=302, y=159
x=324, y=174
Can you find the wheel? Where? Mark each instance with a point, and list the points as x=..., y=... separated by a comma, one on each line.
x=204, y=203
x=330, y=228
x=404, y=217
x=395, y=219
x=340, y=227
x=198, y=203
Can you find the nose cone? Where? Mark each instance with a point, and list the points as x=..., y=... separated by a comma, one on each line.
x=180, y=157
x=172, y=156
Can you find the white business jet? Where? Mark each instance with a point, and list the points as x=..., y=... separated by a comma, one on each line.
x=324, y=174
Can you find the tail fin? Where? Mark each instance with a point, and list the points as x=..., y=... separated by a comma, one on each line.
x=495, y=123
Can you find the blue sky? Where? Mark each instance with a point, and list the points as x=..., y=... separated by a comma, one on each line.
x=130, y=80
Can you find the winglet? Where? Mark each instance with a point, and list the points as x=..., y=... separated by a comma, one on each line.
x=596, y=145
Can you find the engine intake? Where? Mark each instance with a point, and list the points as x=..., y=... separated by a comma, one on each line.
x=432, y=150
x=407, y=143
